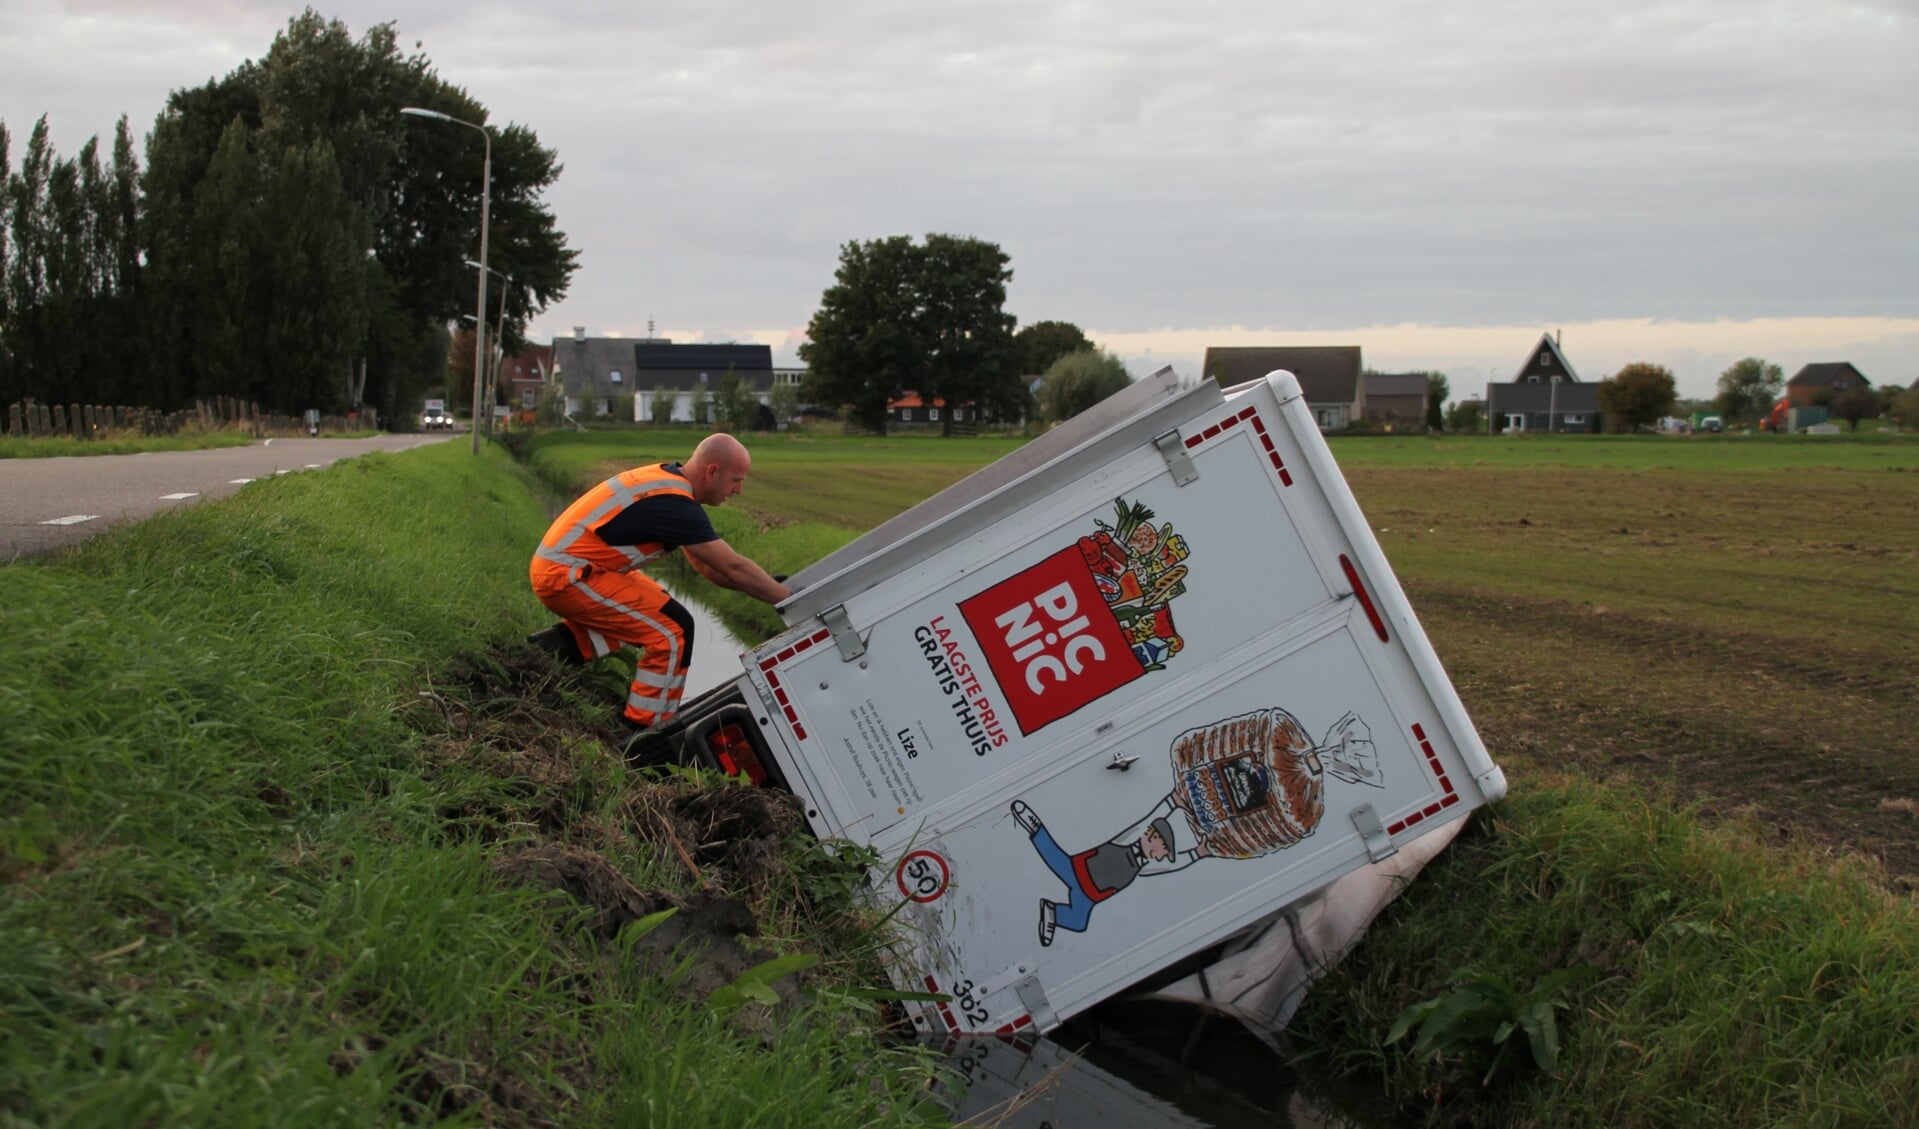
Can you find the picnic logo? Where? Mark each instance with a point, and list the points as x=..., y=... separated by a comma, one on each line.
x=1084, y=621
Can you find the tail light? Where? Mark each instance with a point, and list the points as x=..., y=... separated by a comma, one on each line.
x=730, y=747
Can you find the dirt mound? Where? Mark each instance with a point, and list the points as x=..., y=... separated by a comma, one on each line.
x=725, y=834
x=698, y=950
x=506, y=729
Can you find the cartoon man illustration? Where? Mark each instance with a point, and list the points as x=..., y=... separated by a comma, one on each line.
x=1243, y=787
x=1151, y=846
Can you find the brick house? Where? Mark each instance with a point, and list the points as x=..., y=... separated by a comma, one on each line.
x=522, y=376
x=1806, y=384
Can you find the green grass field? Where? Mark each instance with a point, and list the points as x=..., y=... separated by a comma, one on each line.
x=287, y=802
x=1696, y=659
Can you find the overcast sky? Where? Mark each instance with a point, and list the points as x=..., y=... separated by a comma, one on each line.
x=1685, y=182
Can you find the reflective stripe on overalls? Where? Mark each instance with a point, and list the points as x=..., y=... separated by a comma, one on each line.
x=597, y=590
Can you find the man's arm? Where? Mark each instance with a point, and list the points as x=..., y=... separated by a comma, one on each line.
x=724, y=566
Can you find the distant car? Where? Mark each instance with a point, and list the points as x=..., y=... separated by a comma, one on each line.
x=1712, y=423
x=436, y=419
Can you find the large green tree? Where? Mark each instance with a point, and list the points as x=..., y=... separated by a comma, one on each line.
x=1637, y=395
x=1748, y=388
x=967, y=332
x=380, y=210
x=1078, y=380
x=863, y=346
x=928, y=318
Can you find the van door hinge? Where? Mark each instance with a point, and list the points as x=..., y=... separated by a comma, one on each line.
x=1379, y=845
x=1173, y=449
x=1032, y=997
x=844, y=637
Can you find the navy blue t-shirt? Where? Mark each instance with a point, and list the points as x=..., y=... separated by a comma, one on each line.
x=670, y=519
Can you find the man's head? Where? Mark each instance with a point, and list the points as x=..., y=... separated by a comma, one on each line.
x=717, y=469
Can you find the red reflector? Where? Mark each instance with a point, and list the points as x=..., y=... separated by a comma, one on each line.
x=734, y=752
x=1365, y=598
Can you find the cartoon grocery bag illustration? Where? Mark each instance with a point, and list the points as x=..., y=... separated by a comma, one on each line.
x=1242, y=788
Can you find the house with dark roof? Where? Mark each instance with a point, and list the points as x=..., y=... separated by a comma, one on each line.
x=1328, y=375
x=1396, y=399
x=1806, y=385
x=596, y=371
x=1544, y=395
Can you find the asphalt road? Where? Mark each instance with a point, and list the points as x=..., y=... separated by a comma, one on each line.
x=51, y=503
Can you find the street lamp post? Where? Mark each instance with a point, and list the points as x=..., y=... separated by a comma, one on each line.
x=1552, y=407
x=479, y=319
x=499, y=341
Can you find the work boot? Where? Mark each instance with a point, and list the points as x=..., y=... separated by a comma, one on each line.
x=1047, y=920
x=558, y=642
x=1027, y=819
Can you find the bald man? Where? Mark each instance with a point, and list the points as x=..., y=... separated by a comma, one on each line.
x=587, y=570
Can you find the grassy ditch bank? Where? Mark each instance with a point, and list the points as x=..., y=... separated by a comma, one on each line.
x=295, y=830
x=1693, y=659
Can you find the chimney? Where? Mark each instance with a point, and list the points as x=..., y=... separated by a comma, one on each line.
x=579, y=335
x=1556, y=334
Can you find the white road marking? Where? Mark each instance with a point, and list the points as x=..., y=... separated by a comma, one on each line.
x=71, y=519
x=314, y=466
x=178, y=497
x=238, y=481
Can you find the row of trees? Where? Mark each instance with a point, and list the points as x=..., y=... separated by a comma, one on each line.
x=292, y=240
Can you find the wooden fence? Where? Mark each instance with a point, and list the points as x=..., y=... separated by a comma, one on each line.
x=27, y=419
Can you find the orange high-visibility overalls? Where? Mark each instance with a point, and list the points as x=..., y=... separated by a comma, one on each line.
x=598, y=590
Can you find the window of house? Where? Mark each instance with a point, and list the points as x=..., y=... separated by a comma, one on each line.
x=1515, y=423
x=614, y=376
x=606, y=406
x=1533, y=379
x=933, y=414
x=1545, y=359
x=529, y=399
x=906, y=415
x=1573, y=419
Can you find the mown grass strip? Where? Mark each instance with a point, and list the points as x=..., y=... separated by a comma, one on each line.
x=22, y=447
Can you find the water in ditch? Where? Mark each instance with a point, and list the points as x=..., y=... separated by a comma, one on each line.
x=1133, y=1065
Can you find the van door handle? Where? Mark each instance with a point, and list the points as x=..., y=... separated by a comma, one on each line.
x=1122, y=762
